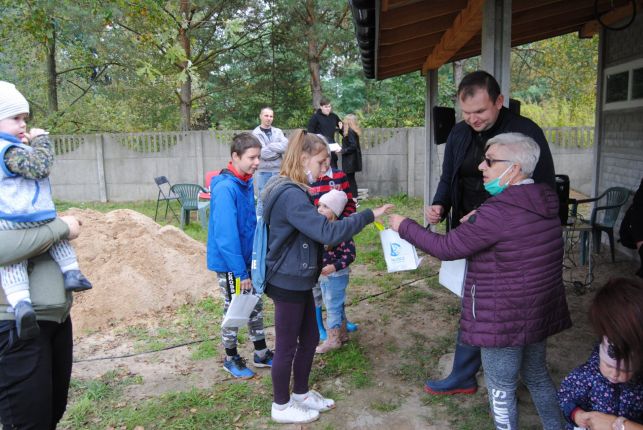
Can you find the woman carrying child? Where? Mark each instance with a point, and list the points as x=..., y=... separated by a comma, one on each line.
x=607, y=391
x=297, y=233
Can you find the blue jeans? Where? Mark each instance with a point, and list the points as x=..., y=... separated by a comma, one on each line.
x=262, y=178
x=334, y=292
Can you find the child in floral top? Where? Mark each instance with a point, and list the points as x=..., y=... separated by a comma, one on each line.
x=335, y=274
x=609, y=386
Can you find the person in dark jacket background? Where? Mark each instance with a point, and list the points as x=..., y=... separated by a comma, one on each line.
x=297, y=234
x=461, y=190
x=326, y=123
x=513, y=296
x=351, y=151
x=631, y=231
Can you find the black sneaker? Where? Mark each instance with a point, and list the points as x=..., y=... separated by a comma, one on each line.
x=76, y=281
x=26, y=323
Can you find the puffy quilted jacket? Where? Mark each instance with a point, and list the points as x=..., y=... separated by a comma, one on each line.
x=514, y=293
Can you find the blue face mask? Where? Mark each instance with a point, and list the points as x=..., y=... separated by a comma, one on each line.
x=494, y=187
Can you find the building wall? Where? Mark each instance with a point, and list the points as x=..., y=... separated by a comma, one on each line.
x=620, y=133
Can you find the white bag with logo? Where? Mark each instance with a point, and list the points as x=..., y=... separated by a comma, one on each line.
x=239, y=311
x=452, y=275
x=399, y=254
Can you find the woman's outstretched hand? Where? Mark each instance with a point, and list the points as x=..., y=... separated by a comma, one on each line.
x=394, y=221
x=378, y=212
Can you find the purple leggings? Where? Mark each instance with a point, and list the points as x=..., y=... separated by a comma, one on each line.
x=296, y=337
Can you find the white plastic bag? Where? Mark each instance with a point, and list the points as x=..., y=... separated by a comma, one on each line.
x=399, y=254
x=239, y=310
x=452, y=274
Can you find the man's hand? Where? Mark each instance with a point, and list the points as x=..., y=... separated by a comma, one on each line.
x=434, y=213
x=246, y=285
x=328, y=269
x=467, y=216
x=394, y=221
x=74, y=226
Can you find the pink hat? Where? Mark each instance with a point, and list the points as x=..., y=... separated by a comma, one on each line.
x=335, y=200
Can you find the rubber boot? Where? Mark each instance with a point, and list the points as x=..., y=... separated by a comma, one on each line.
x=462, y=379
x=320, y=324
x=351, y=327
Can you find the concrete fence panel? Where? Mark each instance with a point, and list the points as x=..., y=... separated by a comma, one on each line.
x=122, y=167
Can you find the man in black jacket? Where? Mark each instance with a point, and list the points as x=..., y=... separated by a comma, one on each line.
x=326, y=123
x=461, y=189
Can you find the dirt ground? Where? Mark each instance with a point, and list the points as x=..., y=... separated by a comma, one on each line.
x=141, y=272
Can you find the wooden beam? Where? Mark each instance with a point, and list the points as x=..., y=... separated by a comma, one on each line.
x=384, y=7
x=467, y=24
x=589, y=29
x=423, y=44
x=420, y=12
x=392, y=36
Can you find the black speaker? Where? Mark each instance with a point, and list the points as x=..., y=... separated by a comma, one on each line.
x=562, y=189
x=444, y=118
x=514, y=106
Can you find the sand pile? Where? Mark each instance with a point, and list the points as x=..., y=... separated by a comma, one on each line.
x=136, y=267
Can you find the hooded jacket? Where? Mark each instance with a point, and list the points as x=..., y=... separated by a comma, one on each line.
x=289, y=210
x=232, y=225
x=513, y=293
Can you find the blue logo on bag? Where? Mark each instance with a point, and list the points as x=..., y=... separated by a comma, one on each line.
x=395, y=249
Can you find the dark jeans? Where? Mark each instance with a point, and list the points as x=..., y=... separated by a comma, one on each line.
x=296, y=337
x=34, y=375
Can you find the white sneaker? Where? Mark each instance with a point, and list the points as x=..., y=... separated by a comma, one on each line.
x=314, y=400
x=294, y=413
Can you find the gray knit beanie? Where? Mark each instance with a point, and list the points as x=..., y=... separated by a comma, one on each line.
x=12, y=103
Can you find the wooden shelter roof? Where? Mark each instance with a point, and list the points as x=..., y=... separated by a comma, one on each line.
x=401, y=36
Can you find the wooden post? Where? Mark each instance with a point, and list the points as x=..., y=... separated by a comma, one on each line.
x=100, y=168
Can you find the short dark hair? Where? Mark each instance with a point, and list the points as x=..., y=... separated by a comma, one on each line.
x=616, y=312
x=242, y=142
x=478, y=80
x=324, y=101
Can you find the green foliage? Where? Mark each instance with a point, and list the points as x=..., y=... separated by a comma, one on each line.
x=125, y=66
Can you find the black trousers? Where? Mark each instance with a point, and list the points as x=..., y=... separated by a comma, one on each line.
x=34, y=375
x=352, y=184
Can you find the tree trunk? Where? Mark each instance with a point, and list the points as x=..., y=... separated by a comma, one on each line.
x=458, y=70
x=185, y=94
x=313, y=55
x=52, y=85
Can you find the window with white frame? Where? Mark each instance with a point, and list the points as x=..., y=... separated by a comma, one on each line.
x=623, y=86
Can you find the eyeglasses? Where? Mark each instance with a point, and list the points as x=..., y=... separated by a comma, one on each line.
x=490, y=161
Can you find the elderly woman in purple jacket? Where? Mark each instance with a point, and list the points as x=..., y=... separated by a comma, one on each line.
x=513, y=296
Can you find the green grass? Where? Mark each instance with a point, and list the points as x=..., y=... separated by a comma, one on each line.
x=99, y=403
x=350, y=363
x=226, y=406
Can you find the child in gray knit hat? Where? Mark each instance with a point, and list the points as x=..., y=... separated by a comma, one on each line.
x=25, y=202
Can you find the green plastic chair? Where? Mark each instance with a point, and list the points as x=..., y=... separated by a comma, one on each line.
x=189, y=199
x=602, y=218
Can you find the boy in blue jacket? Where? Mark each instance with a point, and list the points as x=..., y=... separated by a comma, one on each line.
x=229, y=249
